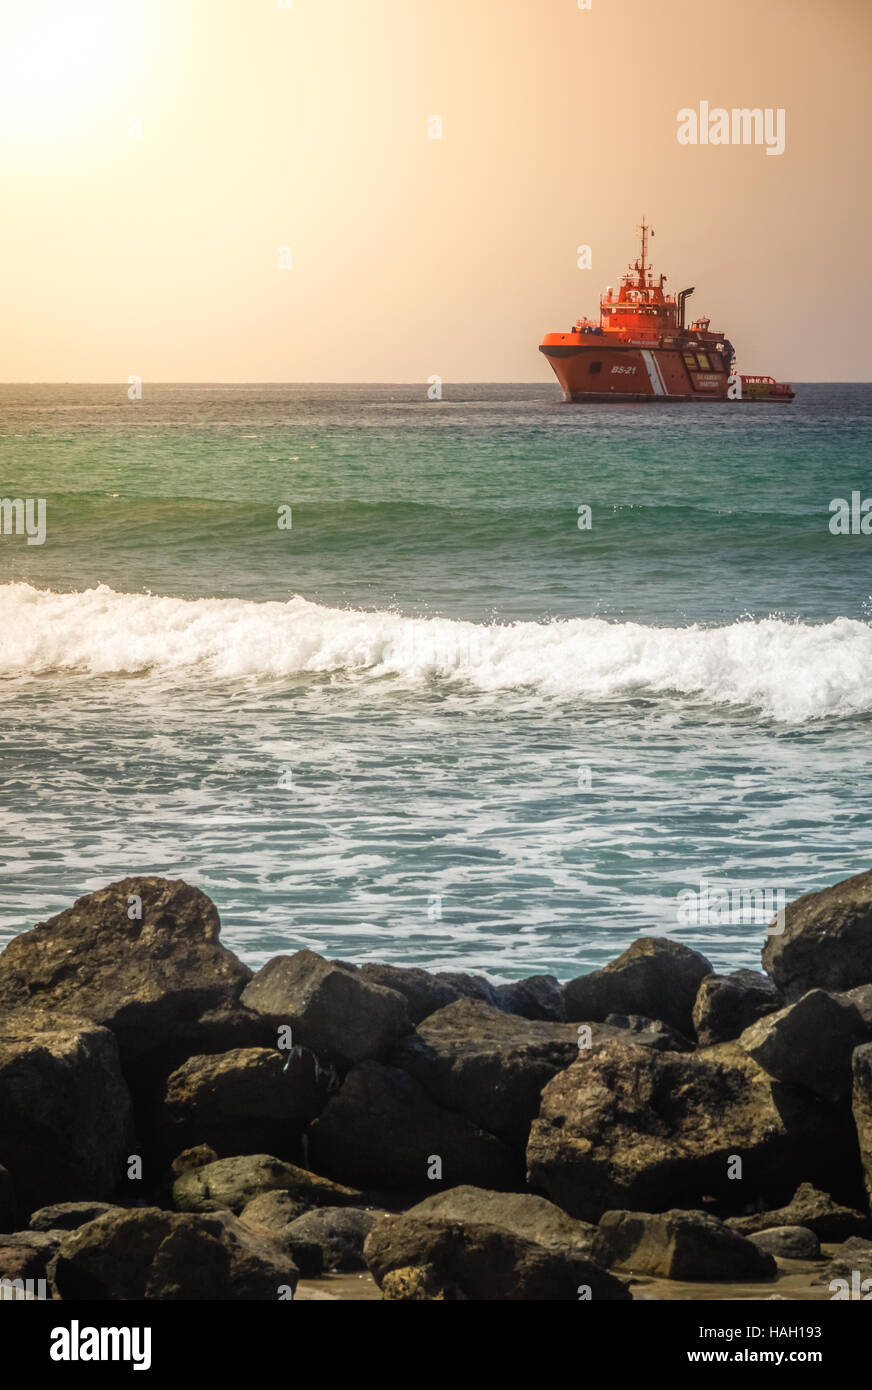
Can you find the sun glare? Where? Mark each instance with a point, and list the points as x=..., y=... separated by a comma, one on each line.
x=65, y=63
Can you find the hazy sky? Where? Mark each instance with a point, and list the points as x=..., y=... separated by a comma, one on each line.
x=307, y=127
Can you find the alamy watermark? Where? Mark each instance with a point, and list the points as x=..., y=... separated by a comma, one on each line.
x=741, y=125
x=720, y=903
x=23, y=517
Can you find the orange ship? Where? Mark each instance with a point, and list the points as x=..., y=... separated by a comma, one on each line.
x=641, y=350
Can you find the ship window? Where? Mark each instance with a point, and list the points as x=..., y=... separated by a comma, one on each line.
x=690, y=359
x=703, y=361
x=595, y=367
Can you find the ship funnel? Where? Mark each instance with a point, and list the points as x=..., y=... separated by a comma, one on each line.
x=682, y=296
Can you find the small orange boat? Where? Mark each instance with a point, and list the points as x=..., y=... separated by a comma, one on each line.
x=641, y=349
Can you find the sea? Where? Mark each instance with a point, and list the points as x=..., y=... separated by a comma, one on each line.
x=489, y=683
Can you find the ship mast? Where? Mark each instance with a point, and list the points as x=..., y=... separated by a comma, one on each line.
x=643, y=230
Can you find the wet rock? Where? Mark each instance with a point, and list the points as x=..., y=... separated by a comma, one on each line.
x=538, y=997
x=433, y=1257
x=810, y=1042
x=655, y=977
x=679, y=1244
x=148, y=979
x=424, y=993
x=814, y=1210
x=251, y=1100
x=826, y=942
x=27, y=1254
x=862, y=1109
x=65, y=1111
x=383, y=1131
x=338, y=1232
x=788, y=1242
x=487, y=1065
x=232, y=1183
x=189, y=1159
x=522, y=1213
x=335, y=1012
x=851, y=1261
x=469, y=986
x=650, y=1032
x=627, y=1127
x=67, y=1216
x=728, y=1004
x=147, y=1253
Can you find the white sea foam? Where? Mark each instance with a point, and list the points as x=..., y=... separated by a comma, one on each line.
x=790, y=671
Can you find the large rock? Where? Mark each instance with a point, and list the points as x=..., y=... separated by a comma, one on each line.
x=332, y=1010
x=648, y=1031
x=339, y=1231
x=68, y=1216
x=147, y=1253
x=487, y=1065
x=436, y=1257
x=788, y=1242
x=656, y=977
x=66, y=1125
x=231, y=1184
x=679, y=1244
x=424, y=993
x=815, y=1211
x=826, y=942
x=148, y=979
x=250, y=1100
x=538, y=996
x=728, y=1004
x=810, y=1042
x=627, y=1127
x=383, y=1131
x=862, y=1108
x=852, y=1260
x=522, y=1213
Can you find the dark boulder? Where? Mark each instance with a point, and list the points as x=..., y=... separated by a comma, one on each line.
x=522, y=1213
x=826, y=942
x=251, y=1100
x=862, y=1109
x=650, y=1032
x=339, y=1233
x=383, y=1131
x=655, y=977
x=424, y=993
x=334, y=1011
x=788, y=1242
x=810, y=1042
x=537, y=997
x=679, y=1244
x=430, y=1257
x=148, y=978
x=487, y=1065
x=728, y=1004
x=65, y=1112
x=68, y=1216
x=631, y=1128
x=232, y=1183
x=147, y=1253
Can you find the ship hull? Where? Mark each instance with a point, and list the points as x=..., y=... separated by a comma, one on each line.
x=601, y=371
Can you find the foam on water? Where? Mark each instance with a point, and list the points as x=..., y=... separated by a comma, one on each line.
x=789, y=671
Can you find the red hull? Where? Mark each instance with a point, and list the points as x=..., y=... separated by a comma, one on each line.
x=597, y=370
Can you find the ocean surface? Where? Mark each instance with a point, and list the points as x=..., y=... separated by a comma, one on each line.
x=434, y=721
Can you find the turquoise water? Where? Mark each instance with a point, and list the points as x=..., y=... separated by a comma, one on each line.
x=434, y=722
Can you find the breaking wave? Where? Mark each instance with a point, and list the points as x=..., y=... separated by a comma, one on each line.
x=789, y=671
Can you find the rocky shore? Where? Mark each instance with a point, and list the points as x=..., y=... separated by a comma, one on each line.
x=173, y=1126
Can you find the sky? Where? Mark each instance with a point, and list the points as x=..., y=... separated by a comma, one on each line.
x=250, y=190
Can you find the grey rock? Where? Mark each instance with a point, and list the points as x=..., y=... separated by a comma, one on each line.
x=679, y=1244
x=231, y=1184
x=339, y=1233
x=655, y=977
x=335, y=1012
x=810, y=1042
x=814, y=1210
x=537, y=997
x=67, y=1216
x=728, y=1004
x=826, y=942
x=525, y=1215
x=788, y=1242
